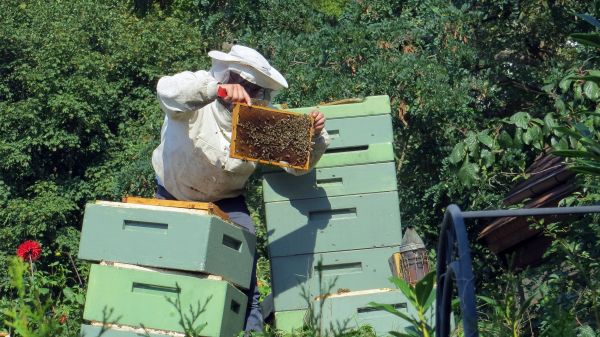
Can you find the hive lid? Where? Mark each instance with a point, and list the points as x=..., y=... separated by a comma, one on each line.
x=411, y=241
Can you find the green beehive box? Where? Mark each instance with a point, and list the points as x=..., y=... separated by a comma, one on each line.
x=355, y=141
x=167, y=237
x=144, y=298
x=296, y=278
x=331, y=224
x=373, y=153
x=352, y=134
x=369, y=106
x=98, y=331
x=290, y=321
x=345, y=312
x=330, y=182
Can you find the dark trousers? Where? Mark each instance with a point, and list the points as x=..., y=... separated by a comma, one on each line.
x=238, y=212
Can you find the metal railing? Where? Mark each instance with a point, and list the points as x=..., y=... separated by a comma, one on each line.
x=454, y=267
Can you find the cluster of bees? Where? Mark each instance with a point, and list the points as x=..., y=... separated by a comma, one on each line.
x=275, y=138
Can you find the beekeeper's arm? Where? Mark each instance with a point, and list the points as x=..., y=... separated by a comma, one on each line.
x=189, y=91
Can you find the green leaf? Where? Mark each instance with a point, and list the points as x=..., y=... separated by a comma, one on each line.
x=429, y=301
x=591, y=90
x=560, y=106
x=424, y=287
x=578, y=91
x=520, y=119
x=488, y=158
x=69, y=294
x=565, y=84
x=549, y=121
x=394, y=311
x=404, y=287
x=485, y=139
x=532, y=134
x=458, y=153
x=471, y=141
x=593, y=78
x=548, y=87
x=567, y=131
x=468, y=173
x=562, y=144
x=505, y=140
x=518, y=139
x=587, y=39
x=572, y=154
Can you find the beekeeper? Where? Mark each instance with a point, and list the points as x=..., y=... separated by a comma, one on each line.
x=192, y=161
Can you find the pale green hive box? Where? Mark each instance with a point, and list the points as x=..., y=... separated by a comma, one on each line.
x=373, y=153
x=352, y=134
x=167, y=237
x=145, y=298
x=330, y=182
x=361, y=133
x=331, y=224
x=290, y=321
x=349, y=311
x=296, y=278
x=369, y=106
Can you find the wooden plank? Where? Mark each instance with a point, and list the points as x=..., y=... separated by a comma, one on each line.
x=207, y=206
x=144, y=299
x=97, y=329
x=159, y=270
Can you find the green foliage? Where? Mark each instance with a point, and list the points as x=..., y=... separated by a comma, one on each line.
x=189, y=320
x=421, y=297
x=509, y=312
x=478, y=89
x=35, y=312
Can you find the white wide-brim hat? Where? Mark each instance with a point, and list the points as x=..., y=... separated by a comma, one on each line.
x=251, y=66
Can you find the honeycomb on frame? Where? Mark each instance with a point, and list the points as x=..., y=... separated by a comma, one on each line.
x=271, y=136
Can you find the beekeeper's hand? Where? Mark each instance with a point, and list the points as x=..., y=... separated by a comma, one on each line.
x=232, y=93
x=319, y=123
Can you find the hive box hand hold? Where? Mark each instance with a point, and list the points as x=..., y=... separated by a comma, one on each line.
x=271, y=136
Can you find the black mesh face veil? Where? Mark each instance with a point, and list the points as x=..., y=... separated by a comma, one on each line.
x=255, y=91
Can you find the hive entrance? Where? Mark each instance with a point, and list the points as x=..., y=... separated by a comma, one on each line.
x=271, y=136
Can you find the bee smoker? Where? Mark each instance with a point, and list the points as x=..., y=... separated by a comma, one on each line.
x=411, y=263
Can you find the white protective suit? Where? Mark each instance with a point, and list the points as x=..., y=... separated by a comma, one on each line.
x=192, y=161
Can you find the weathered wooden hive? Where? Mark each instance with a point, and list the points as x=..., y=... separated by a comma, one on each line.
x=549, y=181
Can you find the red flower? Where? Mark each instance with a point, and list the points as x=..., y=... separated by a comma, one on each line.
x=62, y=319
x=29, y=250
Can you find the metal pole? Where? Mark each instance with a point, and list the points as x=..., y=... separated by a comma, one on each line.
x=530, y=212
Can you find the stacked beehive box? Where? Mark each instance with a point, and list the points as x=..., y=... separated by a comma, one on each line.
x=333, y=230
x=160, y=266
